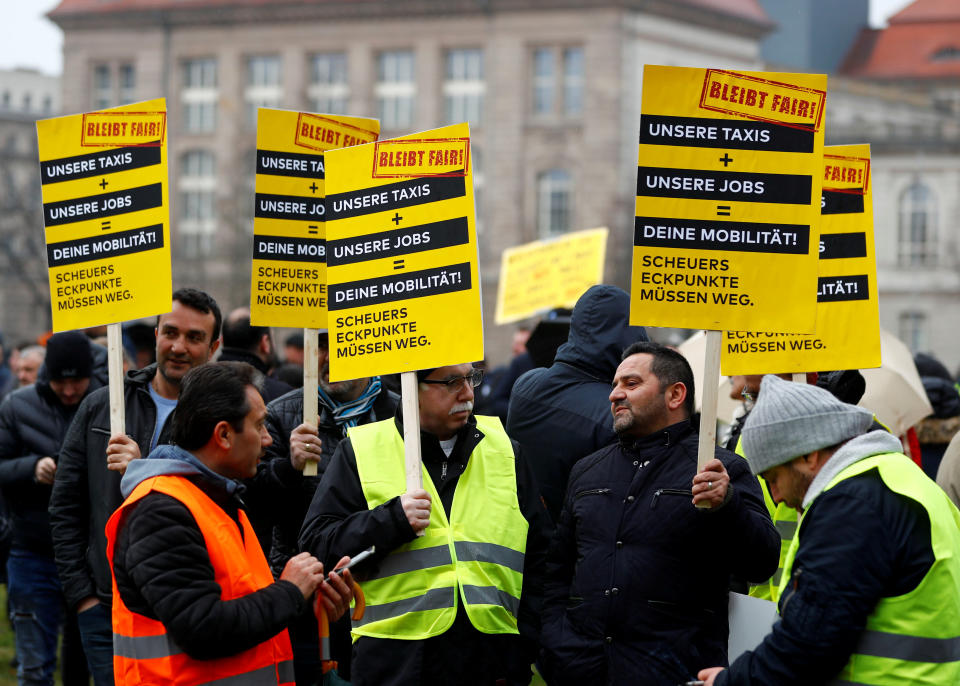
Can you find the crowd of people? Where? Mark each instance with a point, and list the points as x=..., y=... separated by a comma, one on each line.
x=567, y=530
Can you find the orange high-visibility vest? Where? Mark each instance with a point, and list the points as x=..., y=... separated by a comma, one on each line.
x=143, y=652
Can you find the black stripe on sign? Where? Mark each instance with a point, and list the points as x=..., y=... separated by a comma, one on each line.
x=98, y=164
x=836, y=288
x=106, y=205
x=837, y=202
x=374, y=246
x=394, y=196
x=696, y=132
x=696, y=234
x=665, y=182
x=835, y=246
x=101, y=247
x=295, y=207
x=289, y=248
x=290, y=164
x=386, y=289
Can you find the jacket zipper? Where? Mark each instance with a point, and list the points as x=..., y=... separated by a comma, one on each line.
x=794, y=579
x=443, y=471
x=592, y=491
x=668, y=491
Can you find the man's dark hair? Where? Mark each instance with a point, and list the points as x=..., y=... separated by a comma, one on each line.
x=668, y=366
x=209, y=394
x=201, y=302
x=240, y=333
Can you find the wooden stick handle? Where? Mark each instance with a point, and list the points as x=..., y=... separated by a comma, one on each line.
x=799, y=377
x=115, y=372
x=708, y=406
x=311, y=376
x=411, y=430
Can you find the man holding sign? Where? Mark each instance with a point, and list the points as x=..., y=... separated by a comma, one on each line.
x=453, y=592
x=638, y=575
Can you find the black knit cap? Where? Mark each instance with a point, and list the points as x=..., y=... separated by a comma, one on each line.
x=68, y=356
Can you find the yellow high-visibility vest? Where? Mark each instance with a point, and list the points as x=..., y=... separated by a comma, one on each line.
x=475, y=556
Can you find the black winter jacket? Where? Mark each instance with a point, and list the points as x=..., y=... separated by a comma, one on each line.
x=339, y=523
x=637, y=576
x=283, y=416
x=562, y=413
x=85, y=493
x=33, y=423
x=163, y=570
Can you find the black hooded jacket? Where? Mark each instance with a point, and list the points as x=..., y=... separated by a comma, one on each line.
x=85, y=493
x=562, y=413
x=33, y=423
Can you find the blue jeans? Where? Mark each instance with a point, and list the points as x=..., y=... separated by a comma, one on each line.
x=36, y=612
x=96, y=634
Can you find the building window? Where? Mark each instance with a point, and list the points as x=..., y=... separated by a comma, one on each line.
x=950, y=53
x=27, y=102
x=197, y=188
x=913, y=331
x=47, y=104
x=554, y=188
x=918, y=226
x=199, y=95
x=558, y=78
x=128, y=84
x=102, y=87
x=463, y=87
x=395, y=89
x=328, y=90
x=264, y=88
x=479, y=186
x=6, y=100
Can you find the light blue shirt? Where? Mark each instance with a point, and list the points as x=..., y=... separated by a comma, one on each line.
x=164, y=407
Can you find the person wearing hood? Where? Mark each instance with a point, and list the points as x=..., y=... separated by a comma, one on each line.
x=193, y=597
x=935, y=432
x=561, y=413
x=453, y=588
x=87, y=488
x=869, y=593
x=33, y=422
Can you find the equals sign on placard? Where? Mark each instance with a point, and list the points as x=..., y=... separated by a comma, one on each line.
x=398, y=264
x=104, y=226
x=723, y=210
x=312, y=229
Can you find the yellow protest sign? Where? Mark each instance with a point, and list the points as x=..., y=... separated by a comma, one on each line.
x=288, y=285
x=105, y=211
x=728, y=184
x=848, y=321
x=403, y=285
x=542, y=275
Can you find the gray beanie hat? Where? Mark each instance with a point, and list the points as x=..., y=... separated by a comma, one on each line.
x=794, y=419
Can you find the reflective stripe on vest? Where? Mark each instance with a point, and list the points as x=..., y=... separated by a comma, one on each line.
x=785, y=521
x=475, y=556
x=145, y=653
x=913, y=638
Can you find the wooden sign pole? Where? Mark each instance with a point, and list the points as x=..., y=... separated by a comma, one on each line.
x=115, y=372
x=311, y=377
x=799, y=377
x=411, y=430
x=708, y=406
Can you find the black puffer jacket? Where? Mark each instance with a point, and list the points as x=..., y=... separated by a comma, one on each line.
x=33, y=423
x=562, y=413
x=283, y=416
x=637, y=576
x=85, y=493
x=163, y=568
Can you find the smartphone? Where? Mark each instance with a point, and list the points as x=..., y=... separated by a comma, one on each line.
x=359, y=557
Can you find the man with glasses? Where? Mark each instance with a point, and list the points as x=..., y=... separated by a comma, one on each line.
x=453, y=591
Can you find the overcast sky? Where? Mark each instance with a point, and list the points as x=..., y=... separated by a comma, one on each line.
x=28, y=39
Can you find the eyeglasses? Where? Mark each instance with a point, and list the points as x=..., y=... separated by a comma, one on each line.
x=454, y=383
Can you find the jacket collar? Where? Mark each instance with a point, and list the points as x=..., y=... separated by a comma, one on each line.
x=169, y=460
x=670, y=435
x=858, y=448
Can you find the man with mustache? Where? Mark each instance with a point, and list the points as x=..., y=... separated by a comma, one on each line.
x=87, y=488
x=453, y=590
x=342, y=404
x=637, y=577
